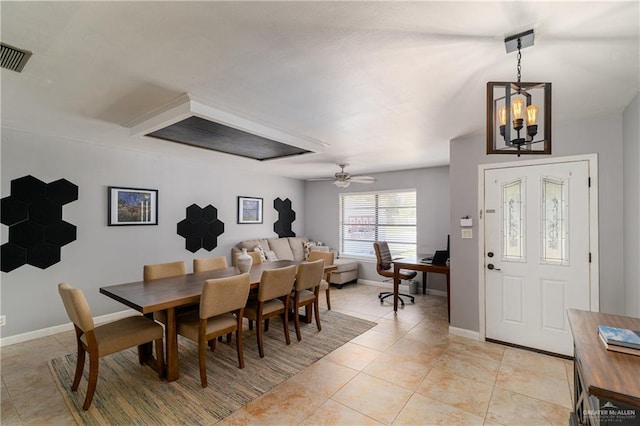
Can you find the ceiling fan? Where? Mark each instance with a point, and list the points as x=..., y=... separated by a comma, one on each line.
x=343, y=179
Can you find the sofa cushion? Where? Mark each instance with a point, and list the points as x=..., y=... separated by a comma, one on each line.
x=296, y=244
x=282, y=248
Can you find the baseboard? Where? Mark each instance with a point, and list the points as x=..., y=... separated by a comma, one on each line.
x=462, y=332
x=50, y=331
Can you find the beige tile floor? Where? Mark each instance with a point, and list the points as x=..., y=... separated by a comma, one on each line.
x=407, y=370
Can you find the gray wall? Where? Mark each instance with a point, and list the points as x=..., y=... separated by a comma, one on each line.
x=432, y=187
x=104, y=255
x=601, y=135
x=631, y=194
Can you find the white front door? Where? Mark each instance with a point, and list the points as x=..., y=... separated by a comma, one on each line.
x=536, y=253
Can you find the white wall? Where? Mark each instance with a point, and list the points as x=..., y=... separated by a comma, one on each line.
x=432, y=186
x=601, y=135
x=103, y=255
x=631, y=149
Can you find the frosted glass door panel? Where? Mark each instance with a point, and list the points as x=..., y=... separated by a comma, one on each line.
x=513, y=218
x=554, y=224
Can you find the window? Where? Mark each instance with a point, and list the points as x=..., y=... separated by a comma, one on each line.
x=367, y=217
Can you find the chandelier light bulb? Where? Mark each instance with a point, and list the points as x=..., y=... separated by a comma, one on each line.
x=517, y=107
x=532, y=115
x=502, y=115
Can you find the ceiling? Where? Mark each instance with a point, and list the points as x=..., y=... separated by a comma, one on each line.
x=383, y=85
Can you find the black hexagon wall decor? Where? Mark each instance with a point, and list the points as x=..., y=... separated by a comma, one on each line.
x=33, y=213
x=286, y=216
x=201, y=228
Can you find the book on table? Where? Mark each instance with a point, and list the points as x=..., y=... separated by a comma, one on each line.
x=620, y=339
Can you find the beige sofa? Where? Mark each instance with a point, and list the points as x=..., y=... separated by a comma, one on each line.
x=293, y=248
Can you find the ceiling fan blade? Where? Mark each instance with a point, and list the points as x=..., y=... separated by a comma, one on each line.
x=319, y=179
x=363, y=179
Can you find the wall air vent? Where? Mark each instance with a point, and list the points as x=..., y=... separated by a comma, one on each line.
x=14, y=59
x=194, y=122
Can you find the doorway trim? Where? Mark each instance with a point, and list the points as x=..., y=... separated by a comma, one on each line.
x=594, y=268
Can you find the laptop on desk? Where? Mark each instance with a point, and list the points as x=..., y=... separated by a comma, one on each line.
x=439, y=258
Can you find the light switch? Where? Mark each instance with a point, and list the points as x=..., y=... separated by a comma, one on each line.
x=467, y=233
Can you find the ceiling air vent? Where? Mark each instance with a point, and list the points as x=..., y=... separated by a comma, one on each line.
x=14, y=59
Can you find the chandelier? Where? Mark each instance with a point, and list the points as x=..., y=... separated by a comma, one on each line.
x=514, y=109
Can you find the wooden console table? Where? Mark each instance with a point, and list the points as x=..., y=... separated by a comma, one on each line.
x=607, y=383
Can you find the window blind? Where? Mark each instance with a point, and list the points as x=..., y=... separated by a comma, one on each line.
x=378, y=216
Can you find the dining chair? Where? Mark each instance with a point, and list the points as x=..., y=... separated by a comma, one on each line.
x=274, y=292
x=384, y=267
x=105, y=339
x=305, y=292
x=257, y=259
x=210, y=264
x=325, y=286
x=221, y=312
x=164, y=270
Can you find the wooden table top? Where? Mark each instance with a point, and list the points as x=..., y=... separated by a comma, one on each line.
x=416, y=263
x=155, y=295
x=607, y=374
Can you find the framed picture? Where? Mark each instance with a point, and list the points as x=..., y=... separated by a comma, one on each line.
x=249, y=210
x=132, y=206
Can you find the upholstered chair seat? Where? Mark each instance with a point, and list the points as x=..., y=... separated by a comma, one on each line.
x=220, y=312
x=273, y=297
x=305, y=292
x=106, y=339
x=165, y=270
x=210, y=264
x=328, y=257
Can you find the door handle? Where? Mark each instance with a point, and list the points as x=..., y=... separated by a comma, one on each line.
x=490, y=266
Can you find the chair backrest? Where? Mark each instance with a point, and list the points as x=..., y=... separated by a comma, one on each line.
x=383, y=256
x=76, y=306
x=210, y=264
x=276, y=283
x=309, y=274
x=221, y=295
x=164, y=270
x=254, y=255
x=327, y=256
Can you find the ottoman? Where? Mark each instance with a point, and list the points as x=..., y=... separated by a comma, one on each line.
x=347, y=272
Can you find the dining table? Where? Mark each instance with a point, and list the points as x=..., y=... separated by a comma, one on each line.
x=167, y=294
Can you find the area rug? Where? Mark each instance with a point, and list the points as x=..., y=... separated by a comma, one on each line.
x=128, y=393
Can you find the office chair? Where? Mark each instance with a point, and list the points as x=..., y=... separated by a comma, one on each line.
x=384, y=267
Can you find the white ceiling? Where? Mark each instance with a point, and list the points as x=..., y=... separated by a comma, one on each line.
x=385, y=85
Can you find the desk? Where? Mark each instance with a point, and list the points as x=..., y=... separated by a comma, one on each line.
x=168, y=293
x=415, y=264
x=602, y=376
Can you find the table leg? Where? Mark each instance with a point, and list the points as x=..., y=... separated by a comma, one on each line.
x=424, y=282
x=145, y=353
x=396, y=287
x=171, y=341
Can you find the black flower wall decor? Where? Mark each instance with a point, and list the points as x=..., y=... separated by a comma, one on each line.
x=201, y=228
x=33, y=213
x=286, y=216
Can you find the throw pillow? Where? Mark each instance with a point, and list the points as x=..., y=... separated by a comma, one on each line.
x=260, y=250
x=308, y=246
x=271, y=255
